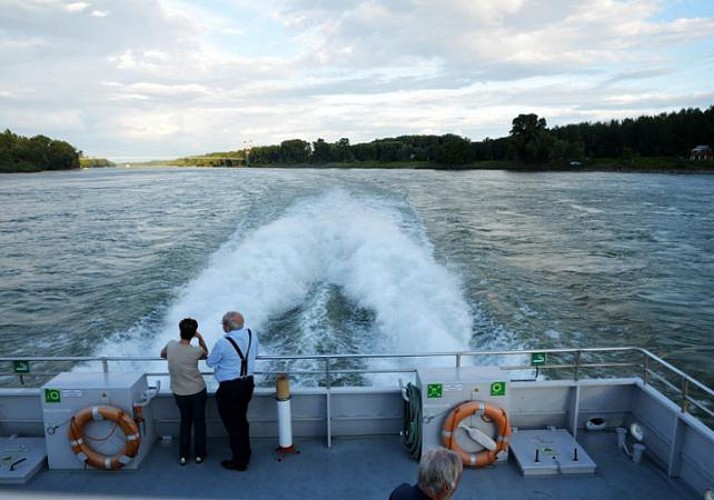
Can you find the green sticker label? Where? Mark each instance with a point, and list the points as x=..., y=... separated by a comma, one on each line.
x=538, y=358
x=498, y=389
x=52, y=396
x=21, y=366
x=434, y=390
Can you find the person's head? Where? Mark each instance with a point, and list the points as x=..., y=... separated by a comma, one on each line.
x=439, y=473
x=232, y=320
x=188, y=328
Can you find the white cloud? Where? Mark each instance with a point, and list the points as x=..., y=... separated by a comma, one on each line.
x=70, y=120
x=184, y=77
x=76, y=6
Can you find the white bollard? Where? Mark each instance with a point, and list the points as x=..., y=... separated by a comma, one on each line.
x=285, y=432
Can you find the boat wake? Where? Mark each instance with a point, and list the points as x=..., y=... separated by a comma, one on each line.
x=337, y=273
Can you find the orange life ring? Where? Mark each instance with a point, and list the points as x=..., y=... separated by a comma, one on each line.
x=86, y=454
x=466, y=409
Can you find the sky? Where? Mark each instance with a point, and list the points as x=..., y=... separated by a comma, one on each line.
x=142, y=79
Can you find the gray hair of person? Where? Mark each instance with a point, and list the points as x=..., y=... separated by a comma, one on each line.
x=233, y=320
x=438, y=467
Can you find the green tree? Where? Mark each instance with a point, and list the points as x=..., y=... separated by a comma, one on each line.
x=392, y=150
x=264, y=155
x=366, y=151
x=321, y=151
x=529, y=138
x=342, y=150
x=61, y=155
x=454, y=150
x=8, y=142
x=19, y=153
x=294, y=151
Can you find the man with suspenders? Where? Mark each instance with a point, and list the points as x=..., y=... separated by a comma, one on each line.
x=233, y=361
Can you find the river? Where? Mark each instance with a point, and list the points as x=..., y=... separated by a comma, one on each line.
x=107, y=261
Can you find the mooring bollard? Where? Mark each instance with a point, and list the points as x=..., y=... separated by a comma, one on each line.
x=285, y=433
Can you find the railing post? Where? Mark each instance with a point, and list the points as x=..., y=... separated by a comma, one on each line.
x=458, y=360
x=577, y=365
x=328, y=402
x=646, y=374
x=105, y=364
x=685, y=395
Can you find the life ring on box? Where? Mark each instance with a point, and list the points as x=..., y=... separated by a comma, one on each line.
x=86, y=454
x=495, y=414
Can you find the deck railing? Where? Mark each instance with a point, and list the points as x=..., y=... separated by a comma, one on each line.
x=330, y=370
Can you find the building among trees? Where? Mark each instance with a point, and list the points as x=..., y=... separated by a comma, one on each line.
x=702, y=152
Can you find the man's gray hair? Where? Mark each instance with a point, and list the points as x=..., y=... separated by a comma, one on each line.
x=233, y=320
x=438, y=467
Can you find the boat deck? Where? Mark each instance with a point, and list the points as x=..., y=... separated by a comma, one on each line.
x=354, y=467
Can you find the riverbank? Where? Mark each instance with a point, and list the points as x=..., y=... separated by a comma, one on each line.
x=642, y=165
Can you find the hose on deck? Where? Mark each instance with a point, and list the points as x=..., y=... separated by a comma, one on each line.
x=412, y=434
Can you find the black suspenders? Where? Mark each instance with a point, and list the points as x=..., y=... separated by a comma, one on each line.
x=243, y=359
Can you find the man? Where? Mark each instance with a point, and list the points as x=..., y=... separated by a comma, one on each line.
x=233, y=361
x=439, y=475
x=189, y=388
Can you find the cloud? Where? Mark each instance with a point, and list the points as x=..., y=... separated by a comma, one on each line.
x=76, y=6
x=158, y=77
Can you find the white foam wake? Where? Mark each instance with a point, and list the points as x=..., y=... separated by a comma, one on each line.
x=374, y=251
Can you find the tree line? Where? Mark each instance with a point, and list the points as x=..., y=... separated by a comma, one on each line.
x=530, y=141
x=86, y=162
x=23, y=154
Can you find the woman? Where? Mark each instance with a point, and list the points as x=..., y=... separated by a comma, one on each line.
x=189, y=388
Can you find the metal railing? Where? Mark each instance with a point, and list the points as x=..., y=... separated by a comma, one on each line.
x=691, y=395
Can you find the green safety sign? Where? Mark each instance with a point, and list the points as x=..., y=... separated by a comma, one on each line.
x=538, y=358
x=434, y=390
x=498, y=389
x=21, y=366
x=53, y=396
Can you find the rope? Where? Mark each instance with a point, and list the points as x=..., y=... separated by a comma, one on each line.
x=412, y=435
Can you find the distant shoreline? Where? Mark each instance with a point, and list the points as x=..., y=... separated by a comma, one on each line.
x=644, y=165
x=648, y=165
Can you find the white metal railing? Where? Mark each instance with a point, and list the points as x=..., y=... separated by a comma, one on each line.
x=690, y=394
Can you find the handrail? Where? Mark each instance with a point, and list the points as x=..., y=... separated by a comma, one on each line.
x=457, y=355
x=687, y=382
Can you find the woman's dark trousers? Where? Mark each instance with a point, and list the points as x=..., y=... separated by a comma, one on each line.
x=193, y=414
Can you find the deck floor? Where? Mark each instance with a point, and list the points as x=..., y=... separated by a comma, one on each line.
x=354, y=468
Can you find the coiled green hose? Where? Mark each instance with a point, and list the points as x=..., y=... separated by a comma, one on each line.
x=412, y=434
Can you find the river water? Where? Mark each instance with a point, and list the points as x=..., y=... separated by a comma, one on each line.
x=108, y=261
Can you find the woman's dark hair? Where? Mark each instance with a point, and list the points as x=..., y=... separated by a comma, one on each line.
x=188, y=328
